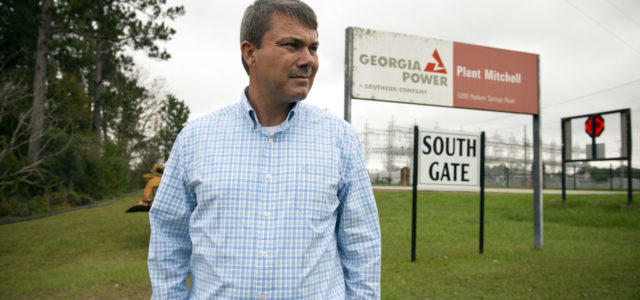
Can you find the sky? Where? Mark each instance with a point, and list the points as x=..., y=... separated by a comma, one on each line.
x=589, y=53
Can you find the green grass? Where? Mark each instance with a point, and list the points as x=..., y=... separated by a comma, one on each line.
x=591, y=250
x=77, y=255
x=590, y=247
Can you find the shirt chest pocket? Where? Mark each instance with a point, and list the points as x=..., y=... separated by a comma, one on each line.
x=216, y=183
x=315, y=188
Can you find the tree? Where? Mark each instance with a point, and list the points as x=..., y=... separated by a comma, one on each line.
x=18, y=33
x=39, y=85
x=71, y=53
x=125, y=103
x=115, y=25
x=166, y=124
x=175, y=114
x=14, y=167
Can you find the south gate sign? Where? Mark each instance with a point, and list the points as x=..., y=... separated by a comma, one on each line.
x=403, y=68
x=450, y=159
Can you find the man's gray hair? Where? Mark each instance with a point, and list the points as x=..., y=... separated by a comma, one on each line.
x=257, y=19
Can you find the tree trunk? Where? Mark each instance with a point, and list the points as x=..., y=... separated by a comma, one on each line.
x=97, y=89
x=39, y=84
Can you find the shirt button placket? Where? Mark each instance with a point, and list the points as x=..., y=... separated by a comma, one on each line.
x=263, y=209
x=266, y=220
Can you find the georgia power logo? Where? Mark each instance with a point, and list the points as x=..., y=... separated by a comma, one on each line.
x=412, y=71
x=431, y=67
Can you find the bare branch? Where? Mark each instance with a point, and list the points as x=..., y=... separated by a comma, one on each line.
x=12, y=93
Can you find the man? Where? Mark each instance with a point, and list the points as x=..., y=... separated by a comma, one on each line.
x=268, y=198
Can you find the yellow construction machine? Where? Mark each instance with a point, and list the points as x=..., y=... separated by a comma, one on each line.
x=153, y=181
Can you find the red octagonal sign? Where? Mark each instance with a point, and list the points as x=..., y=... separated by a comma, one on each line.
x=599, y=126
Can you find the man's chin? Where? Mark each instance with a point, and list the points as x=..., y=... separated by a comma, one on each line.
x=299, y=95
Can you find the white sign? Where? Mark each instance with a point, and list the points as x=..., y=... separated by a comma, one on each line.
x=388, y=66
x=396, y=67
x=448, y=159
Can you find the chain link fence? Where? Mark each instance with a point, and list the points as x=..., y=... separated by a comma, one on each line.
x=507, y=162
x=519, y=179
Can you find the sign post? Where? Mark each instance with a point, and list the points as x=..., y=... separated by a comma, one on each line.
x=481, y=243
x=414, y=210
x=348, y=72
x=537, y=186
x=627, y=133
x=565, y=128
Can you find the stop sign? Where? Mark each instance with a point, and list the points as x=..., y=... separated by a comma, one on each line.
x=594, y=131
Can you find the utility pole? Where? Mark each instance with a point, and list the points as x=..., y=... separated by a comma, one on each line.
x=574, y=177
x=621, y=175
x=525, y=149
x=390, y=137
x=611, y=177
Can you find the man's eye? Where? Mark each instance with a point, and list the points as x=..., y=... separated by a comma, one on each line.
x=313, y=49
x=290, y=45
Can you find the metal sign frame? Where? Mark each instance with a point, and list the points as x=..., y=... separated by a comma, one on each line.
x=624, y=113
x=414, y=206
x=537, y=162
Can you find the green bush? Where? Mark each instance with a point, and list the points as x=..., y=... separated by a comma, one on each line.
x=83, y=171
x=9, y=206
x=17, y=207
x=77, y=199
x=38, y=205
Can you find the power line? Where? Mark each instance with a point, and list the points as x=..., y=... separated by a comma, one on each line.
x=561, y=102
x=623, y=13
x=602, y=26
x=593, y=93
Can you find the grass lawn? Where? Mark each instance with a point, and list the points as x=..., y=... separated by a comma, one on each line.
x=591, y=250
x=590, y=247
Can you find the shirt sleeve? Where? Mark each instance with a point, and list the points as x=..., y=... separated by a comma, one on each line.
x=170, y=244
x=358, y=229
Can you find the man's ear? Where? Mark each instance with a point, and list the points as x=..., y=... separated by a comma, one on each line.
x=248, y=53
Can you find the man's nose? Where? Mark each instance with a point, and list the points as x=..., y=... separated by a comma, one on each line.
x=305, y=59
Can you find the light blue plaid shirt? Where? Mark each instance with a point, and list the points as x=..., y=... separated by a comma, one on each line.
x=251, y=215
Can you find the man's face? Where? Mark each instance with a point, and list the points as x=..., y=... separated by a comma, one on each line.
x=287, y=62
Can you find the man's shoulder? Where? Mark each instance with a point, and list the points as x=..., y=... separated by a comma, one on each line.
x=210, y=122
x=315, y=114
x=328, y=125
x=213, y=119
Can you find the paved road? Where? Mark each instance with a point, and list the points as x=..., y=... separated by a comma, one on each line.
x=499, y=190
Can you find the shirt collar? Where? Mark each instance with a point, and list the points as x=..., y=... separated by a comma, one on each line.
x=249, y=112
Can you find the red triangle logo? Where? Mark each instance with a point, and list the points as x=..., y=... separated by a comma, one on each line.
x=432, y=67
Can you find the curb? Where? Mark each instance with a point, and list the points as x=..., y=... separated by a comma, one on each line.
x=49, y=214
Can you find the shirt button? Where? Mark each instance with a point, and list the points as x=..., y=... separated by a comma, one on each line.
x=271, y=141
x=266, y=214
x=268, y=177
x=263, y=296
x=263, y=253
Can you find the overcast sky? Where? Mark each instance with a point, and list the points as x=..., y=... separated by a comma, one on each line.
x=589, y=57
